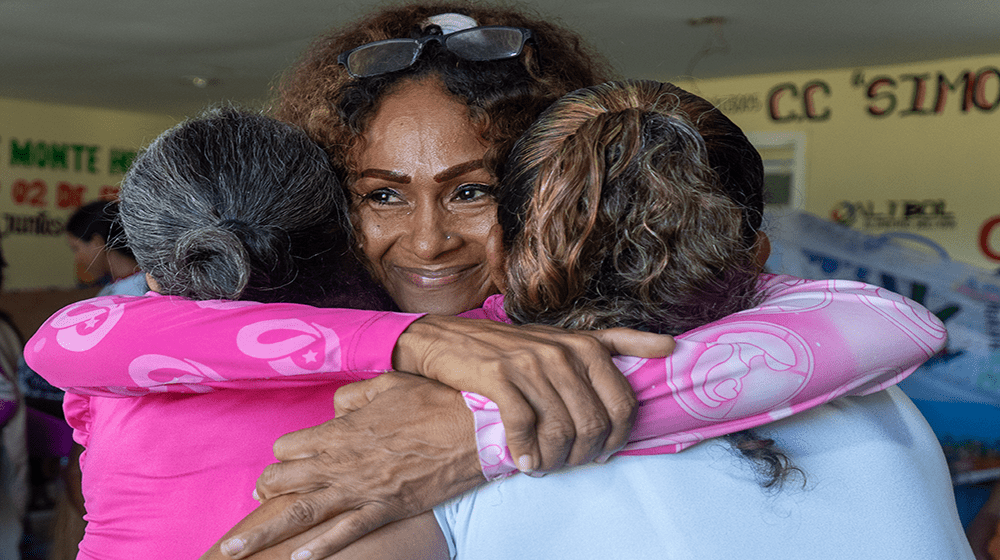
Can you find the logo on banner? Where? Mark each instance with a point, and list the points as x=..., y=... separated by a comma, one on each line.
x=902, y=214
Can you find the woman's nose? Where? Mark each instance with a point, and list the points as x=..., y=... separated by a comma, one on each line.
x=433, y=233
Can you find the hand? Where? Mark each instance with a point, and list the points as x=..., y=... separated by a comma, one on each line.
x=409, y=449
x=562, y=400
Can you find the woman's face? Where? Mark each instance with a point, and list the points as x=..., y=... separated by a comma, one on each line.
x=422, y=202
x=89, y=255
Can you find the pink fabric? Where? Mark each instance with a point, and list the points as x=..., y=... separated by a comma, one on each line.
x=808, y=343
x=170, y=464
x=131, y=345
x=166, y=475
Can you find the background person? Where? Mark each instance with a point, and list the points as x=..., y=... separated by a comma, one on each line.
x=99, y=250
x=97, y=241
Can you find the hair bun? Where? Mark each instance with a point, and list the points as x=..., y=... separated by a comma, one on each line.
x=212, y=261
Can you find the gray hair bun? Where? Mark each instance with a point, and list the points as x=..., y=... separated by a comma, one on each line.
x=236, y=205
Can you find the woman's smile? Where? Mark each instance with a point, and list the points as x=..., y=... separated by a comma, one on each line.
x=427, y=278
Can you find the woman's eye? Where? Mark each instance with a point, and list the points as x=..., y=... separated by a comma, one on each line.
x=382, y=196
x=472, y=192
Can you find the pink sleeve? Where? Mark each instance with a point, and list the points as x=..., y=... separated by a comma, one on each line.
x=128, y=346
x=808, y=343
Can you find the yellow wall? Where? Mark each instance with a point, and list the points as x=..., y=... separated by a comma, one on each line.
x=939, y=164
x=918, y=167
x=52, y=159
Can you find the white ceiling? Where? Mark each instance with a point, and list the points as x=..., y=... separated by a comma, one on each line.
x=141, y=54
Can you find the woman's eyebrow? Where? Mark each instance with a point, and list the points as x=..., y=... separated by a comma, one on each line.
x=393, y=176
x=457, y=170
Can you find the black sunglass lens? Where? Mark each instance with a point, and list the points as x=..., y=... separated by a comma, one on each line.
x=383, y=57
x=486, y=43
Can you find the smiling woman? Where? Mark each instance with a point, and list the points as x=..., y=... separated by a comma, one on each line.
x=422, y=202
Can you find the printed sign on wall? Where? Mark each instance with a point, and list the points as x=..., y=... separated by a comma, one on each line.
x=54, y=159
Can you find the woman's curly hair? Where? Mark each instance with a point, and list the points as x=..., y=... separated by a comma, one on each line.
x=620, y=207
x=635, y=204
x=503, y=96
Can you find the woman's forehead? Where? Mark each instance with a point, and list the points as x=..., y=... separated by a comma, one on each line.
x=420, y=124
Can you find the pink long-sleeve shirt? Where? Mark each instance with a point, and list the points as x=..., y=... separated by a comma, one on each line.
x=183, y=460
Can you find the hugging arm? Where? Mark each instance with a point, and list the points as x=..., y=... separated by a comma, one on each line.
x=809, y=342
x=121, y=346
x=563, y=397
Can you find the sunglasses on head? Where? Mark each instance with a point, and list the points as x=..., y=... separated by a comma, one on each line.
x=475, y=43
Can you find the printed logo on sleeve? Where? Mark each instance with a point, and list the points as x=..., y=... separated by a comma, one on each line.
x=760, y=367
x=154, y=371
x=291, y=346
x=82, y=326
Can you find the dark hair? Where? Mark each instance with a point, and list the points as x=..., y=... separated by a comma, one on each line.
x=236, y=205
x=635, y=204
x=99, y=218
x=503, y=96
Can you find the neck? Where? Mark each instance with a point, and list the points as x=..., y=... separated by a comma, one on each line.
x=121, y=266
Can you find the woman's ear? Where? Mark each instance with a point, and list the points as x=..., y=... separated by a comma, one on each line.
x=152, y=283
x=762, y=250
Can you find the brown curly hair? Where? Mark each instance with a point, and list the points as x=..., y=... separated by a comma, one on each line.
x=631, y=204
x=635, y=204
x=503, y=96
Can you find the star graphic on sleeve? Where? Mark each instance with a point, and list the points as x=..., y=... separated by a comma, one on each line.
x=310, y=356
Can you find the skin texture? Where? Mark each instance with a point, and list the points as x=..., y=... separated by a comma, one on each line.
x=423, y=202
x=89, y=255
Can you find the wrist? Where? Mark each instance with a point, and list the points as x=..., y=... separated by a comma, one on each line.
x=415, y=347
x=495, y=458
x=467, y=467
x=412, y=344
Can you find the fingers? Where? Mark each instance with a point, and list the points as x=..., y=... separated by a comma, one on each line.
x=335, y=534
x=533, y=448
x=352, y=397
x=356, y=395
x=628, y=342
x=590, y=422
x=620, y=404
x=300, y=444
x=306, y=516
x=572, y=423
x=568, y=422
x=580, y=405
x=587, y=407
x=291, y=477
